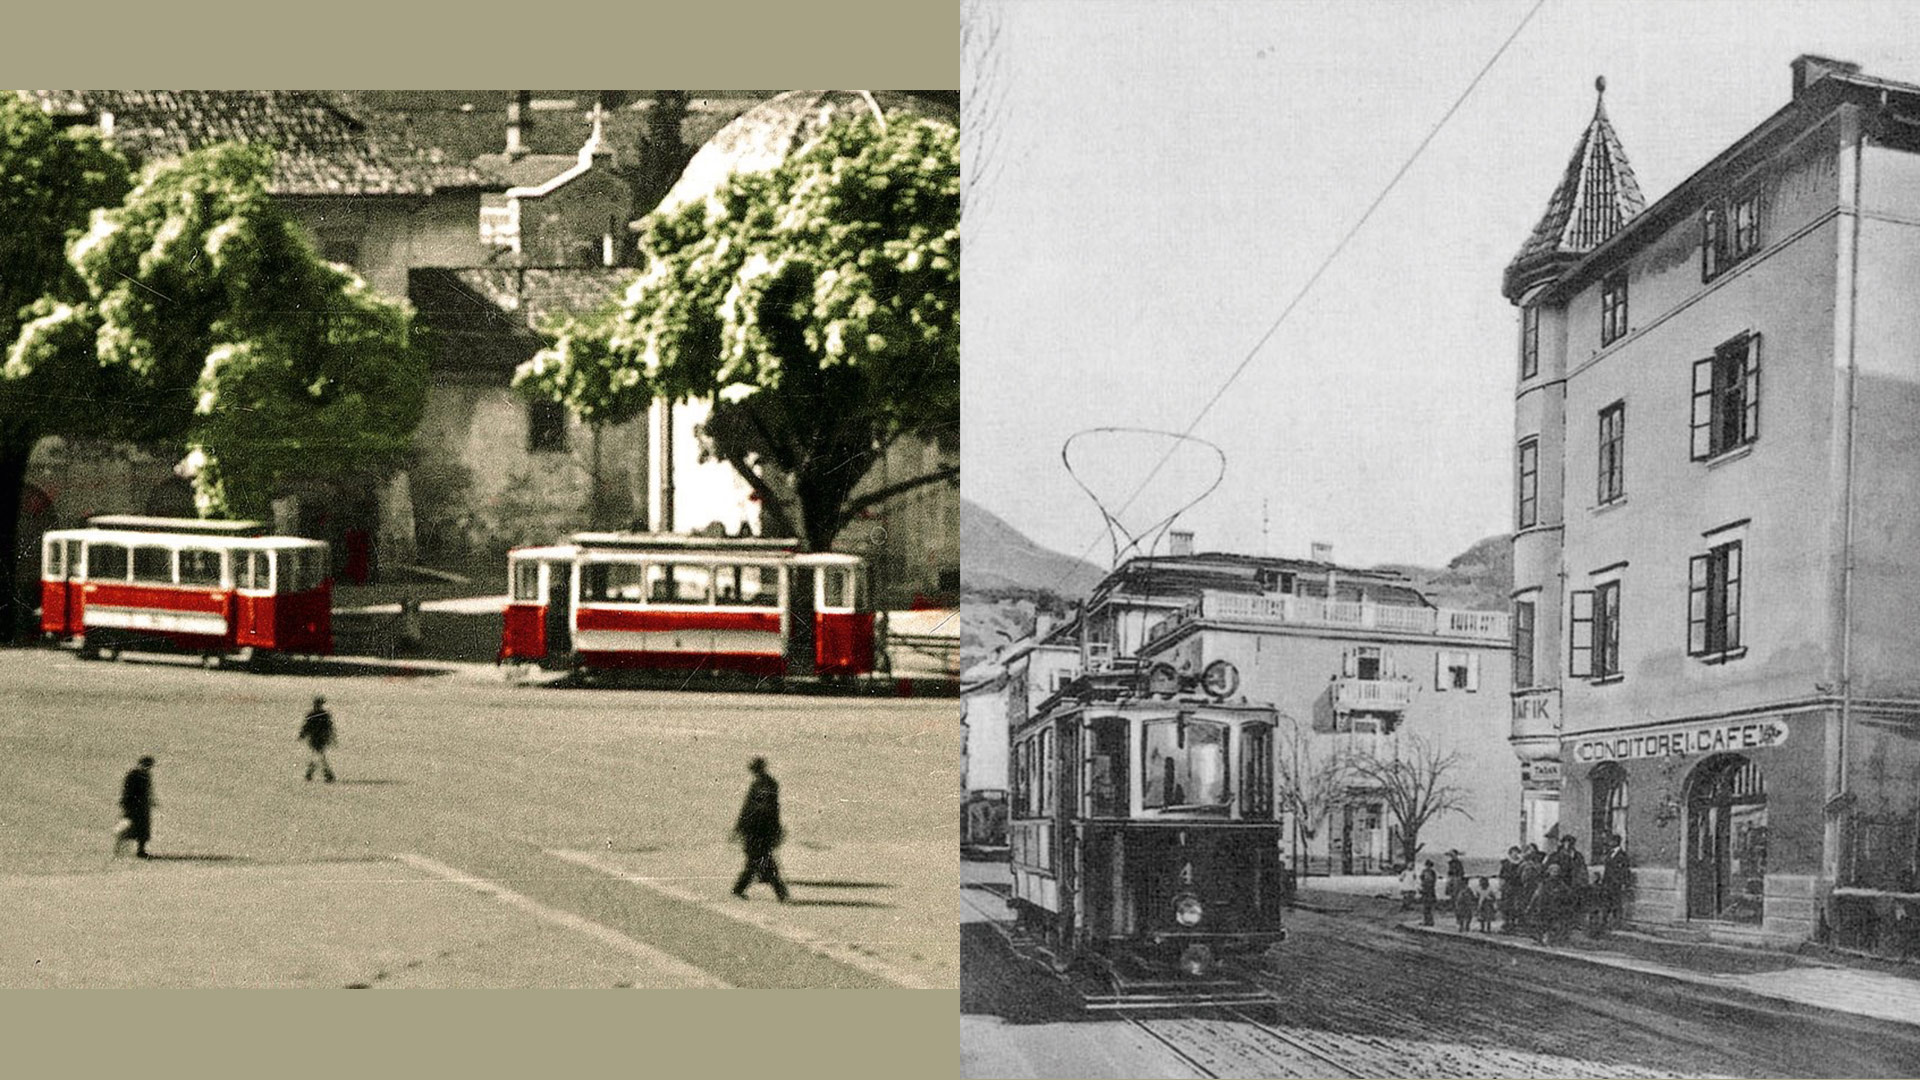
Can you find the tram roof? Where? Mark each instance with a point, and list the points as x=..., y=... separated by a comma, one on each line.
x=136, y=537
x=201, y=526
x=682, y=541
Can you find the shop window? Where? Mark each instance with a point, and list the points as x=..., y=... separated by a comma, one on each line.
x=1609, y=806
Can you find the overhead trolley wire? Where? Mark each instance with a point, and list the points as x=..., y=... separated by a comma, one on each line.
x=1325, y=263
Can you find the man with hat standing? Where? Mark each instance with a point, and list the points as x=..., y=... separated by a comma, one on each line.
x=317, y=733
x=760, y=831
x=136, y=808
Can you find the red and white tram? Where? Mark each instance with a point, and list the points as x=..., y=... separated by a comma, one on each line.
x=213, y=587
x=657, y=601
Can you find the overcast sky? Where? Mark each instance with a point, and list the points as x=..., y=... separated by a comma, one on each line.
x=1162, y=178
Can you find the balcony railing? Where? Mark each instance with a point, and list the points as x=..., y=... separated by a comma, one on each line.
x=1359, y=615
x=1371, y=695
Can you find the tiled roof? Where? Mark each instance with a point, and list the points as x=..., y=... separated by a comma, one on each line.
x=1596, y=196
x=537, y=293
x=322, y=150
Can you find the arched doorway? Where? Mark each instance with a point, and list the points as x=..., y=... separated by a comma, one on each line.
x=1609, y=817
x=1726, y=840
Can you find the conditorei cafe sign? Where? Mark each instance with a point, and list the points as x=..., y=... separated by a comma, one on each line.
x=1675, y=742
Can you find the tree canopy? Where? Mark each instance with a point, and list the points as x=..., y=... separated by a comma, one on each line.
x=50, y=181
x=208, y=304
x=814, y=307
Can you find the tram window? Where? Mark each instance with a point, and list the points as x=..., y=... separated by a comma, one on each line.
x=1107, y=790
x=153, y=565
x=107, y=562
x=838, y=588
x=1184, y=764
x=73, y=557
x=250, y=570
x=759, y=585
x=526, y=581
x=679, y=583
x=54, y=562
x=199, y=566
x=1256, y=771
x=726, y=584
x=619, y=582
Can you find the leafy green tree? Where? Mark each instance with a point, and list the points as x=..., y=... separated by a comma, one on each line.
x=50, y=180
x=266, y=362
x=815, y=309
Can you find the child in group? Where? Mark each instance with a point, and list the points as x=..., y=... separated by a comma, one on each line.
x=1465, y=902
x=1488, y=904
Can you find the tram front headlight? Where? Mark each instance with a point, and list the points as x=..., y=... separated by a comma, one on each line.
x=1187, y=910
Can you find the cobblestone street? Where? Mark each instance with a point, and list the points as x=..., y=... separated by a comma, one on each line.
x=1357, y=996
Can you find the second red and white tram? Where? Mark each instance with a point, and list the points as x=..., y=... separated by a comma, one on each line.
x=671, y=602
x=219, y=588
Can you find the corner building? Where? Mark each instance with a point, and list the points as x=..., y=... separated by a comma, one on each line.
x=1717, y=545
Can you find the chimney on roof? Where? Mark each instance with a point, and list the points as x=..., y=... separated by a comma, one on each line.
x=1809, y=69
x=1043, y=624
x=1322, y=552
x=1180, y=542
x=519, y=117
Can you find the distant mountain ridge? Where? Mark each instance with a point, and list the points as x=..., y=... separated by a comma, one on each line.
x=998, y=559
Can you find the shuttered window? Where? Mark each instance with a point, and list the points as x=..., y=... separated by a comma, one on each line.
x=1726, y=398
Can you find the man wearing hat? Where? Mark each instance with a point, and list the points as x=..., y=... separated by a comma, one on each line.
x=317, y=732
x=136, y=809
x=760, y=831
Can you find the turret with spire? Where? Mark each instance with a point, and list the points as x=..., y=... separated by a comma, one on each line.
x=1597, y=195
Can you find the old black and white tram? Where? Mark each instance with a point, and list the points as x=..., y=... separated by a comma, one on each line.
x=1145, y=833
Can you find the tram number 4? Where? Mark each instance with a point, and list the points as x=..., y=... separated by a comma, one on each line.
x=1186, y=874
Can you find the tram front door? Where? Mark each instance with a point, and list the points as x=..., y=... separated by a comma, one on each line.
x=1726, y=841
x=559, y=607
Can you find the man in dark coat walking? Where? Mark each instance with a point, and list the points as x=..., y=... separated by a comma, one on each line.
x=317, y=732
x=760, y=832
x=136, y=809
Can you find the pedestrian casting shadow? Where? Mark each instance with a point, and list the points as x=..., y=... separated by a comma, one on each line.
x=375, y=782
x=844, y=884
x=350, y=669
x=198, y=858
x=836, y=903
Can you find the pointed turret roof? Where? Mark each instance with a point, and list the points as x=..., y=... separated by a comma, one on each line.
x=1597, y=195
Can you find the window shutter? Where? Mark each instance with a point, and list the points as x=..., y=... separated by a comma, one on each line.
x=1697, y=575
x=1752, y=387
x=1580, y=635
x=1702, y=409
x=1473, y=672
x=1349, y=665
x=1440, y=671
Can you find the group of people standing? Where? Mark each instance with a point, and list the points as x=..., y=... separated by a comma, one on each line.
x=1539, y=894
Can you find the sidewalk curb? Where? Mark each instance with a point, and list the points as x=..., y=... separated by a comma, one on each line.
x=1670, y=974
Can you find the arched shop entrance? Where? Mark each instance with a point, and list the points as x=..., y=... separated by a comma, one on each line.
x=1726, y=840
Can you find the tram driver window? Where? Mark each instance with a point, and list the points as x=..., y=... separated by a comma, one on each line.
x=1184, y=764
x=153, y=565
x=839, y=588
x=251, y=570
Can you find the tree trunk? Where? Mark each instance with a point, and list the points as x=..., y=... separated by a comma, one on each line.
x=14, y=455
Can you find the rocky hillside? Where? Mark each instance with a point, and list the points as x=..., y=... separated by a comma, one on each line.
x=1479, y=578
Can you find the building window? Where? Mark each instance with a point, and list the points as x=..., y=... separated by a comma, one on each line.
x=1529, y=341
x=546, y=426
x=1613, y=453
x=1729, y=232
x=1529, y=486
x=1456, y=671
x=1726, y=398
x=1713, y=242
x=1746, y=227
x=1593, y=637
x=1522, y=644
x=1613, y=309
x=1713, y=603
